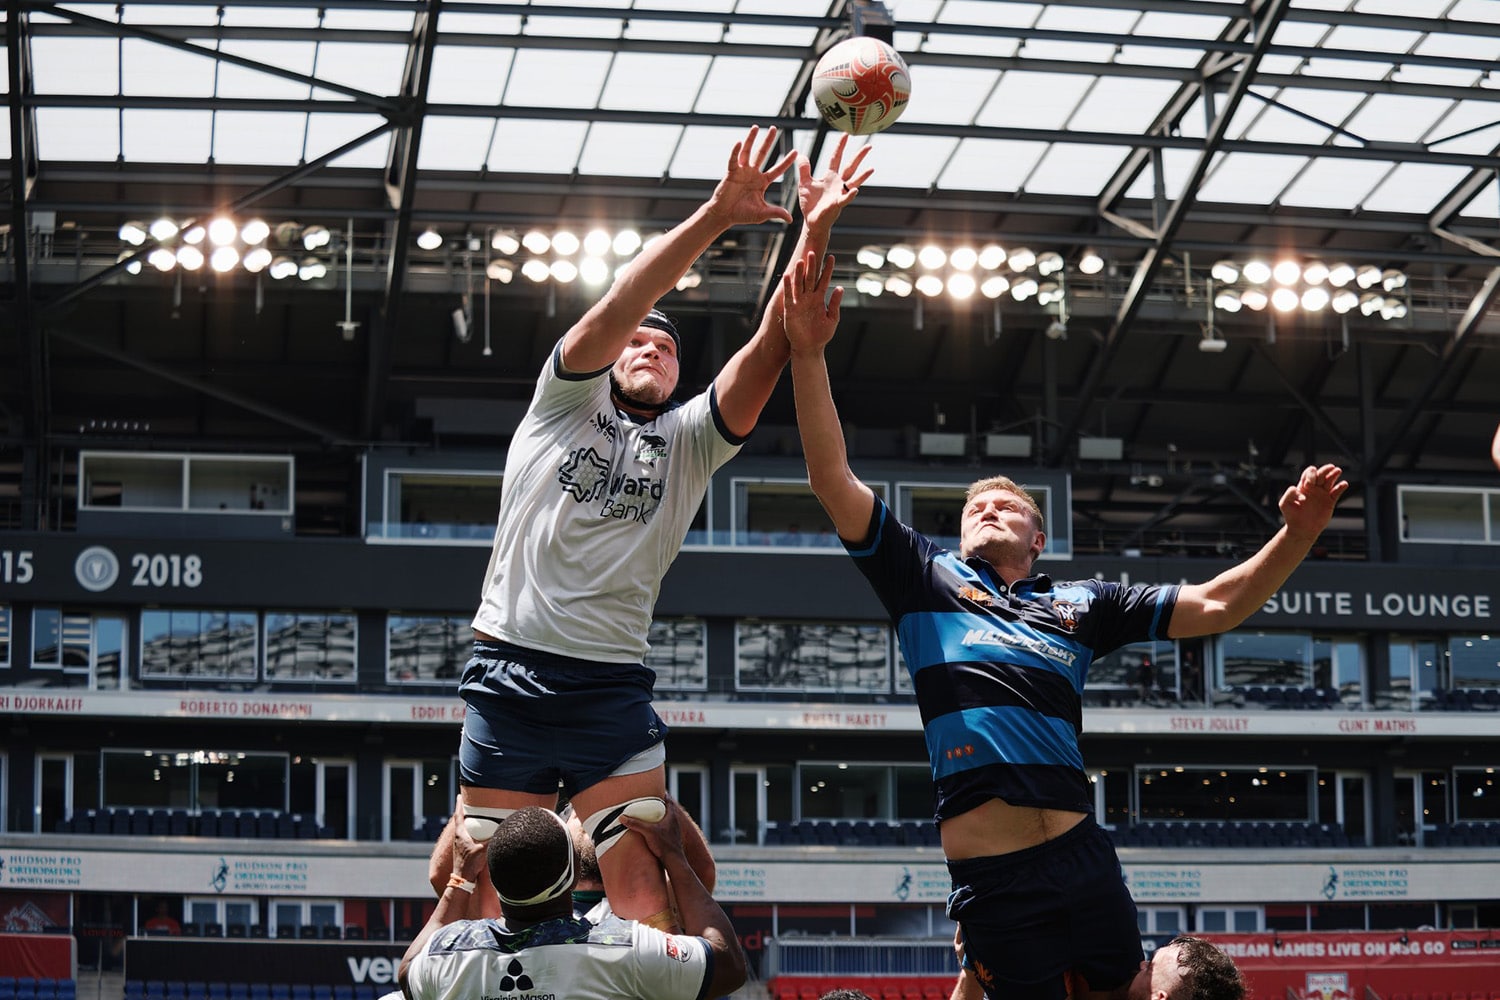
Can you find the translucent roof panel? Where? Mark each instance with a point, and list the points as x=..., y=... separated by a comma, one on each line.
x=948, y=94
x=724, y=90
x=464, y=74
x=548, y=79
x=1397, y=117
x=1177, y=164
x=910, y=161
x=542, y=147
x=259, y=137
x=1070, y=168
x=989, y=165
x=1335, y=183
x=1121, y=105
x=166, y=136
x=149, y=69
x=1249, y=177
x=636, y=81
x=91, y=134
x=454, y=143
x=74, y=66
x=629, y=150
x=374, y=68
x=1415, y=187
x=1034, y=100
x=241, y=81
x=327, y=132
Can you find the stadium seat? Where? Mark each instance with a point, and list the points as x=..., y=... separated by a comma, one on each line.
x=330, y=932
x=308, y=932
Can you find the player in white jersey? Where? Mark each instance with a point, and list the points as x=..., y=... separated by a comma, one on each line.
x=602, y=480
x=541, y=950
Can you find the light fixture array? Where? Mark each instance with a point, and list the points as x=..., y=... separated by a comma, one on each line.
x=964, y=271
x=222, y=244
x=561, y=256
x=1289, y=285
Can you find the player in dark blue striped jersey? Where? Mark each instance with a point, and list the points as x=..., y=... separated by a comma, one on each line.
x=999, y=656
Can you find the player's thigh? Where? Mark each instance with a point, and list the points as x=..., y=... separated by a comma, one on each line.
x=619, y=788
x=500, y=798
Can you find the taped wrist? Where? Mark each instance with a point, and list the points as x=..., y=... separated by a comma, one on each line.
x=605, y=828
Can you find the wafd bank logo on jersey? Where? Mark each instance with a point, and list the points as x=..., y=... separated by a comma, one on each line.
x=585, y=475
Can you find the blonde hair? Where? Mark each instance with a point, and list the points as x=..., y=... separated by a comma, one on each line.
x=1009, y=486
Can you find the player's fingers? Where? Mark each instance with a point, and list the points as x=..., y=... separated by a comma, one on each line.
x=833, y=303
x=859, y=158
x=838, y=154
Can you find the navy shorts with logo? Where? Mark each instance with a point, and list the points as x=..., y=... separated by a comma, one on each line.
x=1031, y=917
x=535, y=719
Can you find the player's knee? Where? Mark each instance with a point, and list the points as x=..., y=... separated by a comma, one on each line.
x=605, y=829
x=481, y=822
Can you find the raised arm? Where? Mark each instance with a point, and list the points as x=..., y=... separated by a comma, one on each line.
x=809, y=327
x=746, y=382
x=1229, y=598
x=597, y=339
x=453, y=901
x=699, y=913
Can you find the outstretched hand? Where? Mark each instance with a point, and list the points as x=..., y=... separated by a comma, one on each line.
x=1307, y=506
x=740, y=198
x=810, y=321
x=663, y=837
x=823, y=198
x=468, y=853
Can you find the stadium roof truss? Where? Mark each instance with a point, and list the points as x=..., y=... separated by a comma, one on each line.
x=1162, y=135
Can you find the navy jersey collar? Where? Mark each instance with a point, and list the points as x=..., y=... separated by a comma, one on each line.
x=1037, y=582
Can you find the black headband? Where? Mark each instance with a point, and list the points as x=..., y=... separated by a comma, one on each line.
x=657, y=320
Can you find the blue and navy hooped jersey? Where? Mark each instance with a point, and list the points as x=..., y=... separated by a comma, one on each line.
x=999, y=671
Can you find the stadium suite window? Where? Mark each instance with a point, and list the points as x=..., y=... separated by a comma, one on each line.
x=1474, y=661
x=1216, y=794
x=199, y=643
x=452, y=506
x=310, y=646
x=679, y=654
x=1476, y=794
x=783, y=512
x=812, y=656
x=422, y=649
x=4, y=636
x=935, y=509
x=1451, y=515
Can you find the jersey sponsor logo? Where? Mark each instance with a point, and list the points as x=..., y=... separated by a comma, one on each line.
x=995, y=637
x=676, y=951
x=959, y=753
x=976, y=596
x=605, y=426
x=584, y=475
x=515, y=978
x=650, y=449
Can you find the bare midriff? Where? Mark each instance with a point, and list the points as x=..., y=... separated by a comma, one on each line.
x=997, y=827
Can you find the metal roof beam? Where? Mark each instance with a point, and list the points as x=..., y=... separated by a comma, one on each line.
x=100, y=26
x=1462, y=333
x=400, y=184
x=1145, y=273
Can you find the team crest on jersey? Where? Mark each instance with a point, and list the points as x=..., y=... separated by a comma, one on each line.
x=1067, y=614
x=975, y=595
x=584, y=475
x=675, y=950
x=650, y=449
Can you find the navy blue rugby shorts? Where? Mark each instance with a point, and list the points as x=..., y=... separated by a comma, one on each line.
x=1031, y=917
x=534, y=720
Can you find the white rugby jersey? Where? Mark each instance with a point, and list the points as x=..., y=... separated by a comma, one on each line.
x=563, y=959
x=593, y=510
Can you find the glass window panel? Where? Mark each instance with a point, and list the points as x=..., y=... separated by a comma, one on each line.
x=557, y=79
x=401, y=803
x=1184, y=793
x=628, y=150
x=679, y=654
x=425, y=650
x=4, y=636
x=634, y=82
x=437, y=787
x=147, y=779
x=463, y=74
x=198, y=643
x=1264, y=658
x=241, y=81
x=804, y=657
x=109, y=651
x=235, y=780
x=1476, y=795
x=1442, y=516
x=75, y=66
x=845, y=791
x=1149, y=668
x=442, y=505
x=310, y=646
x=779, y=785
x=147, y=68
x=542, y=147
x=783, y=512
x=337, y=800
x=1474, y=661
x=52, y=793
x=914, y=794
x=458, y=143
x=46, y=637
x=373, y=68
x=901, y=920
x=724, y=90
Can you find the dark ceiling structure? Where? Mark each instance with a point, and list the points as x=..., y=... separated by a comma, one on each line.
x=1162, y=137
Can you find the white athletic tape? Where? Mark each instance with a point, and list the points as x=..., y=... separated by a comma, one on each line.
x=482, y=821
x=606, y=829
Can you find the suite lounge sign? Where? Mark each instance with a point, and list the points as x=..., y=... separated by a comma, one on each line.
x=1447, y=609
